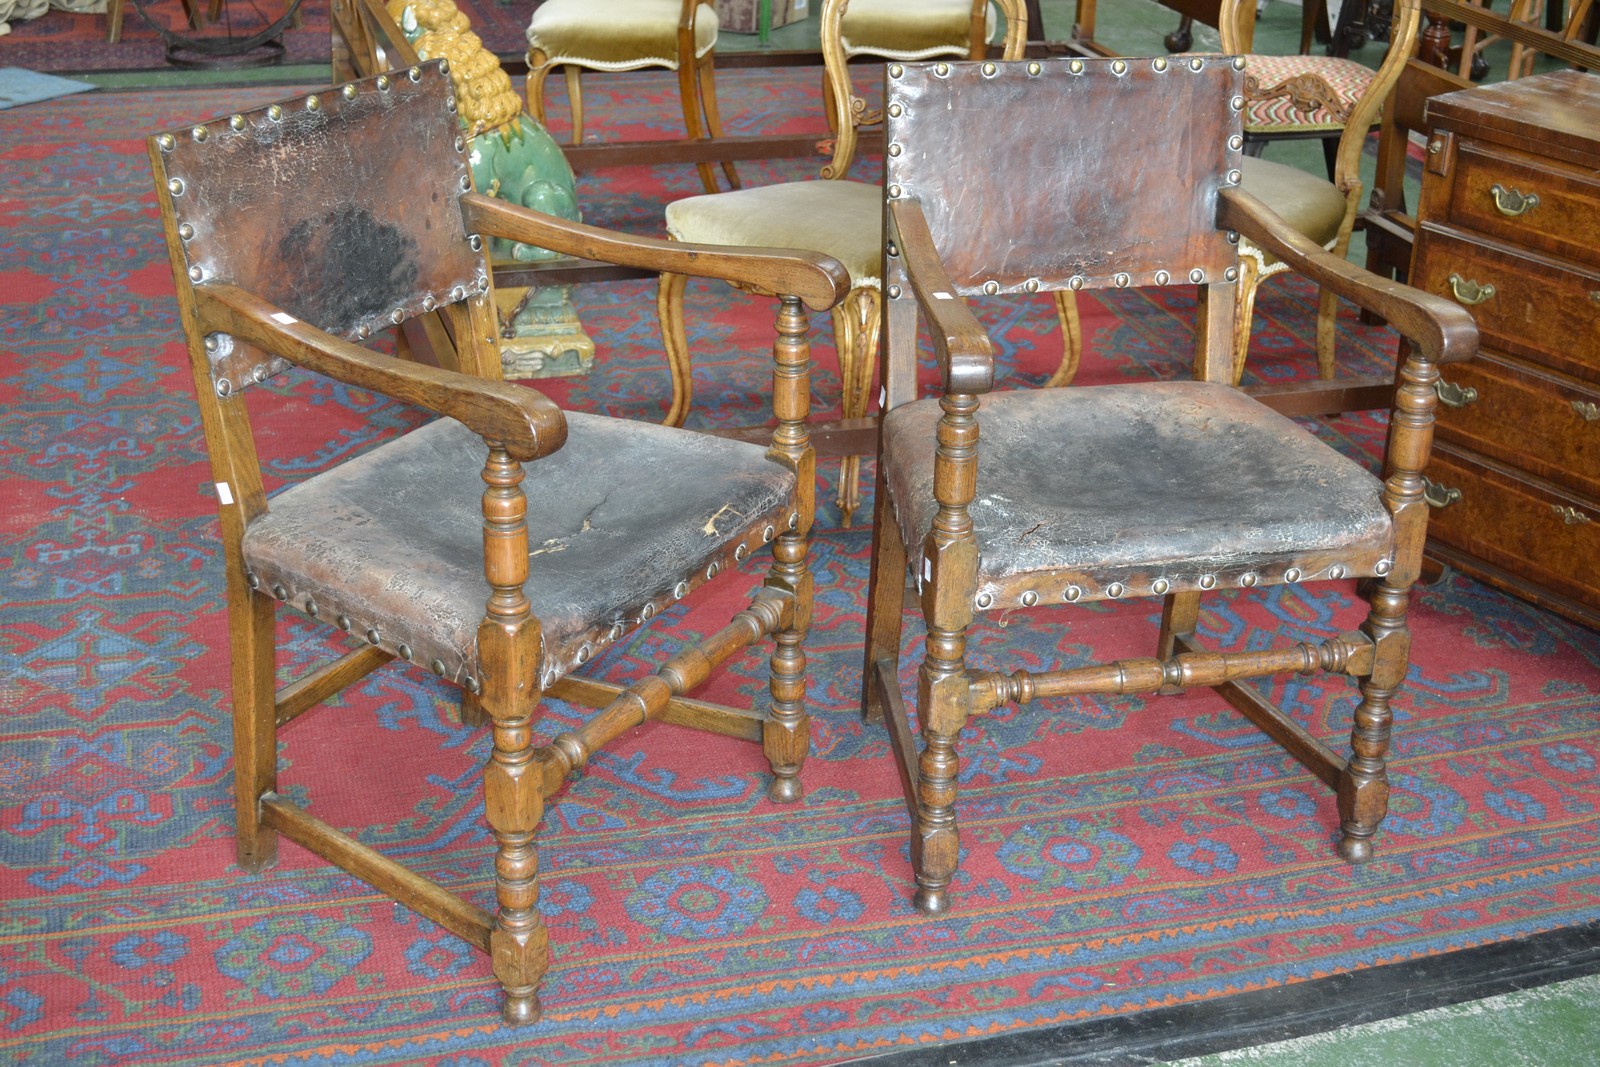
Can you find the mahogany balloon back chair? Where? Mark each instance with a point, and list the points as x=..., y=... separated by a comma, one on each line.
x=501, y=546
x=1063, y=496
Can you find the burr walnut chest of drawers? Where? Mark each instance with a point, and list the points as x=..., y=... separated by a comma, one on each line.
x=1509, y=225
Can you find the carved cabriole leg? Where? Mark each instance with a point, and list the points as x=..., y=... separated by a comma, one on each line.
x=251, y=627
x=689, y=97
x=675, y=342
x=1071, y=338
x=538, y=71
x=786, y=735
x=508, y=664
x=574, y=100
x=713, y=114
x=857, y=321
x=951, y=562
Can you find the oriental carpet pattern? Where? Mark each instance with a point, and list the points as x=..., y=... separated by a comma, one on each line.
x=1120, y=853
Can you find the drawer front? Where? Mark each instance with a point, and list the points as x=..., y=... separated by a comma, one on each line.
x=1532, y=530
x=1544, y=423
x=1529, y=307
x=1527, y=202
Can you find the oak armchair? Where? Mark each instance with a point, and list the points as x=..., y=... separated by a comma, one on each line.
x=293, y=238
x=1053, y=497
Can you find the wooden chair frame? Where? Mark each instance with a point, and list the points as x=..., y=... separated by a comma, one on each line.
x=518, y=426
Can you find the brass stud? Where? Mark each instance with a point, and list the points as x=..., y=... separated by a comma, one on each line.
x=1120, y=67
x=1034, y=69
x=647, y=613
x=427, y=302
x=1159, y=63
x=1076, y=282
x=1248, y=579
x=466, y=183
x=405, y=651
x=438, y=667
x=186, y=232
x=769, y=533
x=344, y=622
x=893, y=250
x=167, y=142
x=458, y=294
x=713, y=570
x=253, y=579
x=1233, y=237
x=1336, y=572
x=1383, y=567
x=1114, y=590
x=616, y=631
x=279, y=592
x=275, y=113
x=1237, y=103
x=894, y=191
x=383, y=86
x=1029, y=599
x=224, y=387
x=444, y=66
x=583, y=655
x=894, y=292
x=363, y=331
x=397, y=316
x=199, y=133
x=1236, y=142
x=1231, y=274
x=349, y=91
x=1197, y=276
x=373, y=637
x=896, y=70
x=213, y=342
x=1234, y=177
x=1238, y=62
x=895, y=111
x=258, y=373
x=984, y=600
x=1197, y=64
x=991, y=287
x=415, y=74
x=474, y=686
x=450, y=104
x=895, y=149
x=989, y=70
x=1076, y=66
x=236, y=123
x=175, y=186
x=794, y=520
x=741, y=552
x=1162, y=277
x=1031, y=285
x=195, y=273
x=1160, y=586
x=941, y=69
x=311, y=607
x=461, y=144
x=475, y=242
x=1073, y=593
x=1292, y=574
x=1208, y=581
x=1122, y=280
x=313, y=103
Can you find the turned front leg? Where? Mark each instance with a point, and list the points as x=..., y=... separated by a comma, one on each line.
x=1364, y=785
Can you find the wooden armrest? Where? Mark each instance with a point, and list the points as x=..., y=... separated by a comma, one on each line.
x=821, y=281
x=965, y=352
x=1443, y=331
x=526, y=422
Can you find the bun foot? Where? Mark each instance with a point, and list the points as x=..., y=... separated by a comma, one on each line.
x=931, y=901
x=1355, y=850
x=521, y=1009
x=785, y=790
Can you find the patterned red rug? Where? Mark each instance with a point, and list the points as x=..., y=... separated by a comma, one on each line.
x=63, y=42
x=1121, y=853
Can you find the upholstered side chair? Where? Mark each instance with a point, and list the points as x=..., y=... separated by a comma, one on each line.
x=501, y=546
x=1321, y=210
x=836, y=215
x=676, y=35
x=992, y=502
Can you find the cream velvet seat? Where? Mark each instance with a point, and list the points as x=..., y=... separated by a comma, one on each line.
x=1322, y=210
x=841, y=216
x=677, y=35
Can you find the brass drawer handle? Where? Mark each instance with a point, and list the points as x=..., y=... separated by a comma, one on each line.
x=1468, y=291
x=1570, y=515
x=1452, y=395
x=1439, y=496
x=1587, y=410
x=1512, y=202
